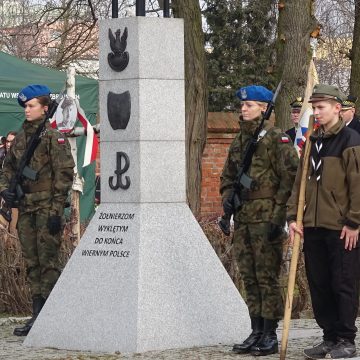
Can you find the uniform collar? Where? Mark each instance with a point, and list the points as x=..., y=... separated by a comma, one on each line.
x=334, y=130
x=249, y=127
x=31, y=126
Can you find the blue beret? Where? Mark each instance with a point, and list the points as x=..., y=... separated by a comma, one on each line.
x=32, y=91
x=254, y=93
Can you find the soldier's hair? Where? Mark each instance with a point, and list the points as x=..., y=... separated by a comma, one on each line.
x=44, y=100
x=11, y=133
x=334, y=103
x=261, y=103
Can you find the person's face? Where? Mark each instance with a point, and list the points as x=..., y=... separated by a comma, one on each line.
x=347, y=114
x=9, y=141
x=34, y=110
x=250, y=110
x=295, y=115
x=326, y=112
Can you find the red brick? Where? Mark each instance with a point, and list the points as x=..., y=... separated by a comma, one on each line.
x=213, y=160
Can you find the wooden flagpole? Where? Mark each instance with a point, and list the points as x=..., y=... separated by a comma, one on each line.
x=77, y=184
x=296, y=245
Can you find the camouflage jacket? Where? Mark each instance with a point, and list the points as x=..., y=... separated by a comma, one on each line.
x=53, y=162
x=273, y=167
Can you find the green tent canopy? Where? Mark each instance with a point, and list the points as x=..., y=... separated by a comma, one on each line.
x=16, y=74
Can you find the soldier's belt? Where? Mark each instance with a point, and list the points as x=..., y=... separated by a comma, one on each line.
x=258, y=194
x=33, y=188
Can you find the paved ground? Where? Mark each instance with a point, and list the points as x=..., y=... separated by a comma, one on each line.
x=303, y=333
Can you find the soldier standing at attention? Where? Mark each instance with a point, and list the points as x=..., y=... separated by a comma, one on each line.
x=348, y=113
x=296, y=106
x=41, y=209
x=259, y=222
x=331, y=225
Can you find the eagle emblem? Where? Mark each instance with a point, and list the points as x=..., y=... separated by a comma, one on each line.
x=119, y=58
x=243, y=94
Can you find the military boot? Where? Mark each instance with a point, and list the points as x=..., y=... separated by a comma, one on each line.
x=257, y=324
x=268, y=344
x=38, y=303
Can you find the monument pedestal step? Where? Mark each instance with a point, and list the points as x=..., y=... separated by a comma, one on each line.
x=144, y=277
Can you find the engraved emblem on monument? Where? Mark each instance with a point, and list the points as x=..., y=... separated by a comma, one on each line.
x=120, y=171
x=118, y=59
x=119, y=109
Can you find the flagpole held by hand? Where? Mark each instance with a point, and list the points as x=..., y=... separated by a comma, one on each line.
x=296, y=244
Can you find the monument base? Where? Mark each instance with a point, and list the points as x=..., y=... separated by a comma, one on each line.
x=144, y=277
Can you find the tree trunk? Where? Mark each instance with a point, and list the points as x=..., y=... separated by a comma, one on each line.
x=196, y=95
x=296, y=22
x=355, y=57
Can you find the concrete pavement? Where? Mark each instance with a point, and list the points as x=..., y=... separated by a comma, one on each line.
x=303, y=333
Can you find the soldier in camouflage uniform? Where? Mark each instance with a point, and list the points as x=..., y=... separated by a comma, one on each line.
x=41, y=209
x=259, y=222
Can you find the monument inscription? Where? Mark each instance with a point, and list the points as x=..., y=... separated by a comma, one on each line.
x=110, y=240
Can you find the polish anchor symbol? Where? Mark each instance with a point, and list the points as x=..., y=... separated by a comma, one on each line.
x=120, y=171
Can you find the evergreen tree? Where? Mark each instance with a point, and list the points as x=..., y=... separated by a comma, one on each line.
x=223, y=40
x=259, y=39
x=239, y=39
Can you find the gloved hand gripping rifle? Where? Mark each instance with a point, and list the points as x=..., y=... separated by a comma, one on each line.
x=242, y=180
x=23, y=169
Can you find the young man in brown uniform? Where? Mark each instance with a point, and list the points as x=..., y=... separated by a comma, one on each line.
x=331, y=225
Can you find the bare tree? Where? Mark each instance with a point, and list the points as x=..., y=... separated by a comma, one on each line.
x=195, y=96
x=333, y=61
x=355, y=56
x=296, y=23
x=54, y=33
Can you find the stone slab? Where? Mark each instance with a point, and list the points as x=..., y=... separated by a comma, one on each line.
x=161, y=41
x=156, y=172
x=157, y=110
x=168, y=289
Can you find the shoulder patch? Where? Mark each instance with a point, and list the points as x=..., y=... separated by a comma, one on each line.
x=284, y=139
x=61, y=141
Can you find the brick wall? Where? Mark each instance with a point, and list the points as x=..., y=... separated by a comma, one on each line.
x=222, y=128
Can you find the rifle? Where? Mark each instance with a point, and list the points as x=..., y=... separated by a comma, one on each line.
x=242, y=180
x=24, y=169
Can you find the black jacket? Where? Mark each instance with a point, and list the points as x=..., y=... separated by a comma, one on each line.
x=292, y=133
x=355, y=124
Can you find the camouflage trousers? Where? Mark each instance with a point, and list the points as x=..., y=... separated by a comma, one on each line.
x=40, y=251
x=259, y=262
